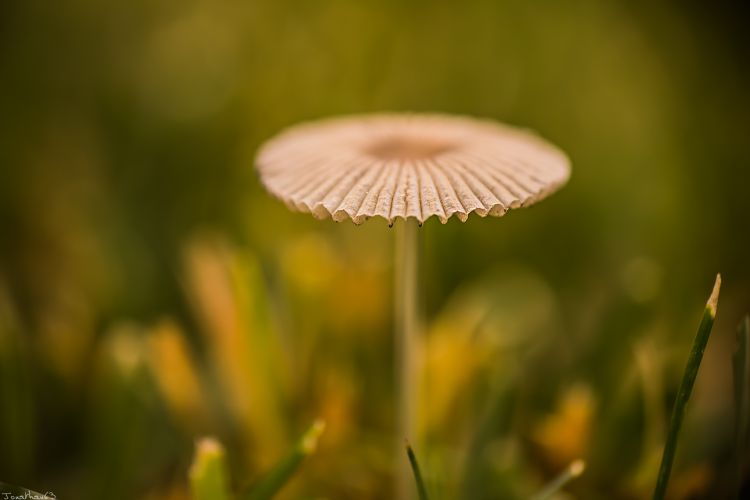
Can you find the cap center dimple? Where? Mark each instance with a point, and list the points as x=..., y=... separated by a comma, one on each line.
x=408, y=148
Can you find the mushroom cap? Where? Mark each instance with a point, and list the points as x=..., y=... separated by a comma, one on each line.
x=409, y=165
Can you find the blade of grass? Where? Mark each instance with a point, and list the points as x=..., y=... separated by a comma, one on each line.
x=421, y=490
x=571, y=472
x=208, y=474
x=272, y=482
x=741, y=365
x=686, y=388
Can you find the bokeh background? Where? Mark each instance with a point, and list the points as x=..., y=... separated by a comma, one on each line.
x=152, y=293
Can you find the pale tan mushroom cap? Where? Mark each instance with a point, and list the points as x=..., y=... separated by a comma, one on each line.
x=409, y=165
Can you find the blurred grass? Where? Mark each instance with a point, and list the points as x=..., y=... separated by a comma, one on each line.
x=151, y=293
x=418, y=480
x=208, y=474
x=571, y=472
x=274, y=480
x=741, y=365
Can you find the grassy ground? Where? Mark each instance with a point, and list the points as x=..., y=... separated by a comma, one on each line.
x=151, y=294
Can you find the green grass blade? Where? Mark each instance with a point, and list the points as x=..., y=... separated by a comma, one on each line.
x=272, y=482
x=686, y=387
x=571, y=472
x=741, y=365
x=208, y=474
x=421, y=490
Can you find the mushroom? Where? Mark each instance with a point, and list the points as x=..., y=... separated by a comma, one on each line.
x=410, y=167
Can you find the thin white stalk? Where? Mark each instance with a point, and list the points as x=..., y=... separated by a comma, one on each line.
x=407, y=344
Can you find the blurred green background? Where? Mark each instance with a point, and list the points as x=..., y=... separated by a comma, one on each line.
x=152, y=293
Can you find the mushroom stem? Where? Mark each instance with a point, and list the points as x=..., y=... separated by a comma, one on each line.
x=407, y=344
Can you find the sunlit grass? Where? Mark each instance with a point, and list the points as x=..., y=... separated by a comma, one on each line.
x=209, y=473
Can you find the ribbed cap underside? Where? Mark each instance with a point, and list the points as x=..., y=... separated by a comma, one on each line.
x=409, y=165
